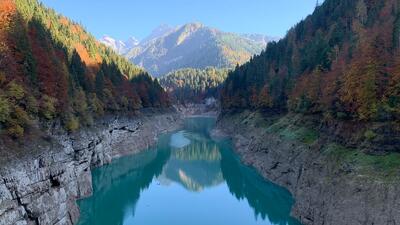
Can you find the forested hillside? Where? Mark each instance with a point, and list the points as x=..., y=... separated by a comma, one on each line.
x=342, y=61
x=51, y=68
x=193, y=85
x=340, y=65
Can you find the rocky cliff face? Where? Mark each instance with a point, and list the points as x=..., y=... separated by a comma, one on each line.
x=42, y=187
x=326, y=190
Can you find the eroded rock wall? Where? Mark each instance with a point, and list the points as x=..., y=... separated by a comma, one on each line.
x=326, y=192
x=42, y=188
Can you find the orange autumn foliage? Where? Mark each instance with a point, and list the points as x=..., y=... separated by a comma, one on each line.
x=59, y=71
x=343, y=60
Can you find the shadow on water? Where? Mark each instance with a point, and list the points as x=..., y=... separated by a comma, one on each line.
x=118, y=185
x=267, y=199
x=197, y=164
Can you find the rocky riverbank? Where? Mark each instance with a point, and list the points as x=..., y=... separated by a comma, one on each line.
x=41, y=186
x=331, y=185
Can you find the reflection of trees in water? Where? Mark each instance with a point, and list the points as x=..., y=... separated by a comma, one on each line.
x=200, y=125
x=266, y=198
x=206, y=151
x=103, y=177
x=201, y=164
x=122, y=191
x=195, y=166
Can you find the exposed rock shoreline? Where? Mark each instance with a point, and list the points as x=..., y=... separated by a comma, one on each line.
x=326, y=192
x=42, y=187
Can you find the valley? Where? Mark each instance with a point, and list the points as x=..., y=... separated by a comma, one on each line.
x=303, y=129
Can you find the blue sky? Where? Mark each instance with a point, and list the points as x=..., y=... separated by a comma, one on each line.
x=122, y=19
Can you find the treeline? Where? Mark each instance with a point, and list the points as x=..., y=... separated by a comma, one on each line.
x=342, y=61
x=51, y=68
x=193, y=85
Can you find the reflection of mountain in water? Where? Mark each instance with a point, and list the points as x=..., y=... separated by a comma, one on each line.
x=178, y=140
x=201, y=164
x=198, y=151
x=195, y=166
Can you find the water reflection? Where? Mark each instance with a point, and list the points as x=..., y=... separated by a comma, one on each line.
x=118, y=186
x=186, y=174
x=195, y=166
x=267, y=199
x=178, y=140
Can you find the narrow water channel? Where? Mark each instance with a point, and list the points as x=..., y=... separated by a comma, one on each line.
x=188, y=179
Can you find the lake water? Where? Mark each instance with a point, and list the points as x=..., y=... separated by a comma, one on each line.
x=188, y=179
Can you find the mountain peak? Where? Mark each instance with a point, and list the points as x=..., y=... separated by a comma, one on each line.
x=193, y=25
x=160, y=31
x=193, y=45
x=121, y=47
x=131, y=42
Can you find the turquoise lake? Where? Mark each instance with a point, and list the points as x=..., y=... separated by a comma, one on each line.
x=188, y=179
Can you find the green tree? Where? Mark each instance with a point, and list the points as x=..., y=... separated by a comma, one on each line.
x=15, y=91
x=48, y=107
x=5, y=109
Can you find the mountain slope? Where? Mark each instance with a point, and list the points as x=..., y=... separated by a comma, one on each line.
x=194, y=46
x=51, y=68
x=341, y=63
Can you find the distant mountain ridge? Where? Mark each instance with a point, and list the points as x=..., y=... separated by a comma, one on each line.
x=123, y=47
x=192, y=45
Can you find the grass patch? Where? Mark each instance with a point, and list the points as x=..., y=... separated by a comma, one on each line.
x=378, y=166
x=369, y=135
x=286, y=129
x=278, y=126
x=306, y=135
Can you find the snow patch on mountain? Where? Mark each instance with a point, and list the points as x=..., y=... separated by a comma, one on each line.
x=121, y=47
